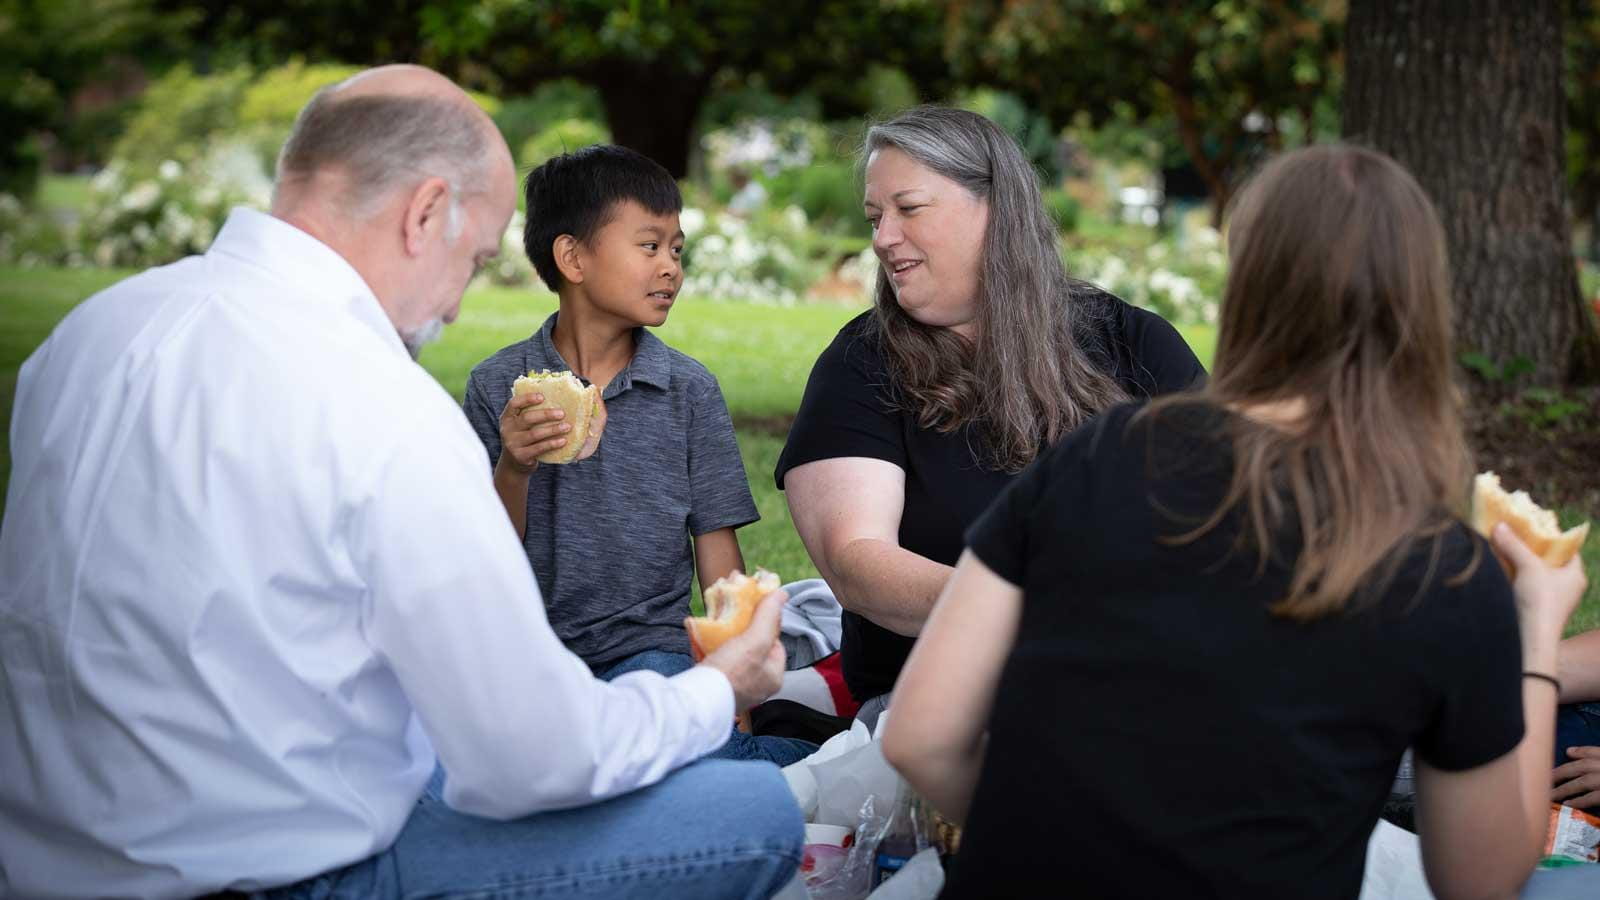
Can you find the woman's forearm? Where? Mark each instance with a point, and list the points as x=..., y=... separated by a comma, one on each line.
x=1534, y=757
x=1537, y=750
x=937, y=732
x=947, y=782
x=887, y=584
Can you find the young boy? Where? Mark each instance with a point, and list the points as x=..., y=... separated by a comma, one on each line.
x=613, y=536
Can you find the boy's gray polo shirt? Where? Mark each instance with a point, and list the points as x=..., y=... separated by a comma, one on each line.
x=608, y=537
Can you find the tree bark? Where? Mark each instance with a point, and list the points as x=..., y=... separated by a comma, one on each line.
x=1467, y=94
x=652, y=109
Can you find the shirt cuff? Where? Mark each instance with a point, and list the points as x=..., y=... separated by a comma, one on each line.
x=708, y=695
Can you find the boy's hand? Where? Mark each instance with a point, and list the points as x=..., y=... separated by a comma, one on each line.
x=753, y=660
x=597, y=427
x=525, y=433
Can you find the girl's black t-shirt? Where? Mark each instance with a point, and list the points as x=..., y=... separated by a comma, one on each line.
x=850, y=408
x=1157, y=732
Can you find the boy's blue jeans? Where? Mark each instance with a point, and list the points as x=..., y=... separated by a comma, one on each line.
x=713, y=829
x=780, y=750
x=1577, y=725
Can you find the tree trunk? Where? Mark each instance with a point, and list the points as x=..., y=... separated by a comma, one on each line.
x=1467, y=94
x=652, y=109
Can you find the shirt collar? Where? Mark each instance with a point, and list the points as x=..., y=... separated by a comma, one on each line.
x=651, y=363
x=305, y=265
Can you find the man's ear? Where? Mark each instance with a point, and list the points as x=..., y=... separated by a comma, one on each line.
x=569, y=258
x=425, y=214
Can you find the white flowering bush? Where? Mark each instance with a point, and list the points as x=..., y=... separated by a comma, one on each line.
x=769, y=259
x=765, y=144
x=861, y=270
x=1180, y=281
x=175, y=213
x=147, y=221
x=511, y=268
x=30, y=239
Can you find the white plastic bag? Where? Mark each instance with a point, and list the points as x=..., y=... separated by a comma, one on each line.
x=1394, y=866
x=845, y=783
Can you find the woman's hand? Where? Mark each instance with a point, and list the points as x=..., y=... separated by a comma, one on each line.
x=1546, y=597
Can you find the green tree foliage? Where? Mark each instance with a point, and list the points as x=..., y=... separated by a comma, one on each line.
x=1228, y=78
x=520, y=118
x=178, y=115
x=48, y=50
x=184, y=113
x=263, y=33
x=655, y=62
x=1034, y=132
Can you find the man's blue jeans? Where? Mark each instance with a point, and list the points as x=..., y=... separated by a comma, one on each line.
x=780, y=750
x=713, y=829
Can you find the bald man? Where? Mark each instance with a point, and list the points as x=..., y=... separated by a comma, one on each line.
x=263, y=624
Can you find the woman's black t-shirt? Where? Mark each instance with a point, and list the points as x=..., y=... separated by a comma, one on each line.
x=850, y=408
x=1158, y=733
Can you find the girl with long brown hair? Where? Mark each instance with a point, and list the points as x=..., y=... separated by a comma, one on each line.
x=978, y=353
x=1185, y=651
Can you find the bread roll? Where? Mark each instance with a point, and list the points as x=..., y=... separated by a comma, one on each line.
x=730, y=604
x=1536, y=526
x=564, y=390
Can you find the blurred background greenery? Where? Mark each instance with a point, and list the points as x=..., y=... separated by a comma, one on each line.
x=128, y=128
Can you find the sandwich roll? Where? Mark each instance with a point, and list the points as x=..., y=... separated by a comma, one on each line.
x=730, y=604
x=580, y=405
x=1534, y=525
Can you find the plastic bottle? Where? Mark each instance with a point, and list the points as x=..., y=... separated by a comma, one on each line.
x=906, y=833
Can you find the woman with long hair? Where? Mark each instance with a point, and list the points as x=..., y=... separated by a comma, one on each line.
x=978, y=353
x=1185, y=651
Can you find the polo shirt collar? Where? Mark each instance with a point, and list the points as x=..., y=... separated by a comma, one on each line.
x=651, y=363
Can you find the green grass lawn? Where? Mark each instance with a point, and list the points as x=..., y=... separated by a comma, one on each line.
x=760, y=354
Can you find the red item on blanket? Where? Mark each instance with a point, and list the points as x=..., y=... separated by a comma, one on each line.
x=820, y=686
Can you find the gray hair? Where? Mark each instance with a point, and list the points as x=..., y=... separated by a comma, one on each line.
x=382, y=142
x=1027, y=377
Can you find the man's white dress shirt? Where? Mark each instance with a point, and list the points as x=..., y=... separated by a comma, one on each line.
x=253, y=575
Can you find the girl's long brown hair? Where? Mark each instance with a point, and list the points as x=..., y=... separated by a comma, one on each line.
x=1338, y=299
x=1026, y=379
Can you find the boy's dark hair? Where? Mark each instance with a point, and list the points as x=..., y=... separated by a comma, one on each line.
x=577, y=193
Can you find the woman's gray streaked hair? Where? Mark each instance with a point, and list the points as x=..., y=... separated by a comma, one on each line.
x=385, y=141
x=1025, y=379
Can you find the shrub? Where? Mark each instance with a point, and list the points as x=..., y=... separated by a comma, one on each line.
x=30, y=238
x=268, y=108
x=1032, y=131
x=828, y=192
x=512, y=268
x=1063, y=208
x=179, y=115
x=562, y=137
x=1183, y=282
x=140, y=221
x=760, y=260
x=183, y=114
x=520, y=118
